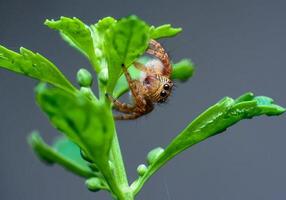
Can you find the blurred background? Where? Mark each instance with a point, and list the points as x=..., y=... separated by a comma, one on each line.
x=237, y=46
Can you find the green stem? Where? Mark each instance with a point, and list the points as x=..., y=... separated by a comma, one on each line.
x=119, y=177
x=112, y=181
x=94, y=64
x=119, y=169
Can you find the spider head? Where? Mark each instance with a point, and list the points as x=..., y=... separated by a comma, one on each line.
x=164, y=91
x=158, y=88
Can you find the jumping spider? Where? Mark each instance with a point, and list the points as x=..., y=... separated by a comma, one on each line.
x=155, y=86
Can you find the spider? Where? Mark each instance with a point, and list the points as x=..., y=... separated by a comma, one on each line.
x=155, y=85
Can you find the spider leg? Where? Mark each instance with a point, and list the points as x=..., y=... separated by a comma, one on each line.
x=134, y=86
x=141, y=67
x=156, y=49
x=120, y=106
x=128, y=116
x=153, y=44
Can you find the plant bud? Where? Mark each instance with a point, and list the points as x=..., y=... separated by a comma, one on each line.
x=94, y=184
x=103, y=76
x=85, y=157
x=84, y=78
x=141, y=169
x=154, y=154
x=183, y=70
x=87, y=92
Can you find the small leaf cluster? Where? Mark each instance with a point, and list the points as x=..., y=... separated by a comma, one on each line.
x=88, y=146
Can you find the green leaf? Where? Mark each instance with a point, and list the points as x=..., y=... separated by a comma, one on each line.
x=89, y=124
x=78, y=35
x=77, y=117
x=64, y=153
x=213, y=121
x=124, y=42
x=98, y=34
x=163, y=31
x=35, y=66
x=183, y=70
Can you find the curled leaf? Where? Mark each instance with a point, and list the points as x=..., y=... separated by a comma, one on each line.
x=165, y=30
x=64, y=153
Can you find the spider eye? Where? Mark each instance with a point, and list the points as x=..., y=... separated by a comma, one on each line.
x=166, y=87
x=163, y=93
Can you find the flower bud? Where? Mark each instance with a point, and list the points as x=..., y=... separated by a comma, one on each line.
x=183, y=70
x=86, y=91
x=154, y=154
x=141, y=169
x=84, y=78
x=103, y=76
x=94, y=184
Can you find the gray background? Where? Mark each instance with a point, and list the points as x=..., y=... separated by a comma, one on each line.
x=238, y=46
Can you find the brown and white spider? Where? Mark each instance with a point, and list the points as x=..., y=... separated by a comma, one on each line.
x=155, y=85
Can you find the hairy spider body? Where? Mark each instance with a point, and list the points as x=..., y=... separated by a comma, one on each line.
x=155, y=85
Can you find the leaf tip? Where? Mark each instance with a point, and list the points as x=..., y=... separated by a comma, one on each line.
x=279, y=110
x=179, y=30
x=33, y=138
x=47, y=22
